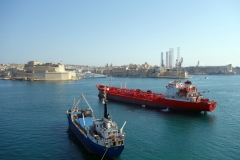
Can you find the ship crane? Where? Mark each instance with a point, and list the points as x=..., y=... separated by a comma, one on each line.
x=197, y=68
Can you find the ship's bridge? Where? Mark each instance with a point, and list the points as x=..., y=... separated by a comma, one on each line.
x=173, y=88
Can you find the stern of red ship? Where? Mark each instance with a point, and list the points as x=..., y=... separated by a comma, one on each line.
x=212, y=106
x=203, y=105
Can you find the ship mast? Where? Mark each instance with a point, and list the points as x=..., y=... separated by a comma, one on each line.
x=105, y=103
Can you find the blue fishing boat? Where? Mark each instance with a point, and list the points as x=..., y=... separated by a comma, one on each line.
x=99, y=136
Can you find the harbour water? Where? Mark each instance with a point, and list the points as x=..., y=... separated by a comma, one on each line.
x=33, y=123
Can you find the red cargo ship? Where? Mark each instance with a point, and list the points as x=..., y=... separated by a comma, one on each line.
x=178, y=97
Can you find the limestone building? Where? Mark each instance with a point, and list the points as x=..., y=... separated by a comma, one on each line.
x=36, y=70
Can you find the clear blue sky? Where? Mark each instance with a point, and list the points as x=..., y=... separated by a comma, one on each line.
x=88, y=32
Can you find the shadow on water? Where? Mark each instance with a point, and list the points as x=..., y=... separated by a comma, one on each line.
x=79, y=147
x=189, y=114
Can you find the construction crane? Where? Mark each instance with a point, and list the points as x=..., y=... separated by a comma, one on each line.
x=179, y=68
x=197, y=68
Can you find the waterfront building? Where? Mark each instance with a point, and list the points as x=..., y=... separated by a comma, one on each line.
x=35, y=70
x=144, y=70
x=227, y=69
x=120, y=71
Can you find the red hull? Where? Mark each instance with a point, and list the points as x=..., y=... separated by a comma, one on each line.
x=155, y=100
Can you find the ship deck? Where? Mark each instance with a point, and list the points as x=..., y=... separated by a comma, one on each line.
x=88, y=121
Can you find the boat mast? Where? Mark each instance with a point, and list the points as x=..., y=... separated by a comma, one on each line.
x=83, y=119
x=105, y=102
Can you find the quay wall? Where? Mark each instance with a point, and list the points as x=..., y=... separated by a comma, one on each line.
x=57, y=76
x=228, y=69
x=48, y=76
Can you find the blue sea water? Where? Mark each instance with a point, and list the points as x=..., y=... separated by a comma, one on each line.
x=33, y=123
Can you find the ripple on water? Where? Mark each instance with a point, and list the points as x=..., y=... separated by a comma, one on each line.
x=34, y=124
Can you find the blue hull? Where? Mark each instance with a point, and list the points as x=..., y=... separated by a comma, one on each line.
x=112, y=152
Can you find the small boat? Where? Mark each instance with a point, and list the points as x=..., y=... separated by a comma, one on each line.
x=99, y=136
x=178, y=96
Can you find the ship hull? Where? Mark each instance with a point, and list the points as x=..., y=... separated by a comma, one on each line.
x=136, y=101
x=162, y=103
x=112, y=152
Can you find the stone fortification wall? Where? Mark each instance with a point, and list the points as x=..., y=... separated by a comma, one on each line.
x=48, y=75
x=57, y=76
x=71, y=75
x=39, y=68
x=38, y=76
x=34, y=70
x=170, y=73
x=50, y=67
x=22, y=74
x=174, y=74
x=210, y=69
